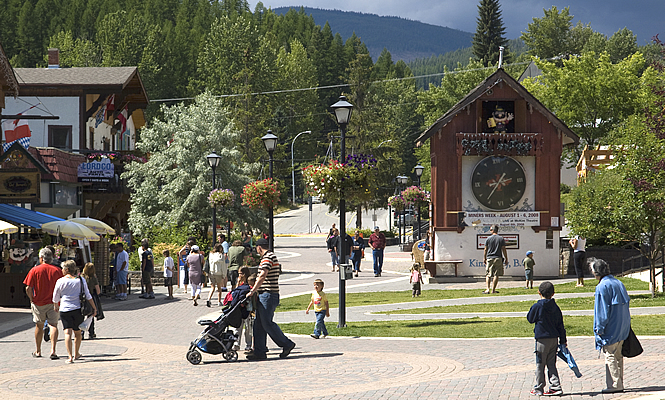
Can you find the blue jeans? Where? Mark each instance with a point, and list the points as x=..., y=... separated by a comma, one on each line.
x=378, y=260
x=264, y=325
x=320, y=327
x=356, y=264
x=335, y=258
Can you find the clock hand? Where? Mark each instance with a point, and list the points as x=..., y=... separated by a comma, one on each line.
x=496, y=185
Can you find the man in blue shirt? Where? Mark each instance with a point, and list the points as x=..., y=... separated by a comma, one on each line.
x=611, y=322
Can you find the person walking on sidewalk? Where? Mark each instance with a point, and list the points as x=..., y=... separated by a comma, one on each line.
x=94, y=289
x=236, y=258
x=333, y=248
x=578, y=243
x=267, y=286
x=147, y=268
x=40, y=283
x=377, y=241
x=358, y=249
x=321, y=309
x=195, y=262
x=548, y=320
x=494, y=256
x=611, y=322
x=218, y=273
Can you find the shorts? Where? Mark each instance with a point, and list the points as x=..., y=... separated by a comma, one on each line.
x=146, y=277
x=494, y=267
x=528, y=273
x=72, y=319
x=168, y=281
x=216, y=280
x=121, y=278
x=233, y=277
x=41, y=314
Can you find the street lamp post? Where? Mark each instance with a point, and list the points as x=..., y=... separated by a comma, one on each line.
x=293, y=170
x=213, y=160
x=419, y=172
x=401, y=180
x=343, y=114
x=270, y=142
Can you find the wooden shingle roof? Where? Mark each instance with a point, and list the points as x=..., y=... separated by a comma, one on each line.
x=499, y=76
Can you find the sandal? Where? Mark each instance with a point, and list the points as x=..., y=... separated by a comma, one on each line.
x=54, y=357
x=35, y=355
x=78, y=357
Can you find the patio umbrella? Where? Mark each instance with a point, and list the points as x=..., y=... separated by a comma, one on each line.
x=69, y=229
x=6, y=227
x=95, y=225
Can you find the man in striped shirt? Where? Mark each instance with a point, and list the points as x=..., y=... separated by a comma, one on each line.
x=267, y=286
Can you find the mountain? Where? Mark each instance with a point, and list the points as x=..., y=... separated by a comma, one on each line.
x=405, y=39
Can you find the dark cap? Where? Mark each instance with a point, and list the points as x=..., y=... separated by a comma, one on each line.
x=263, y=243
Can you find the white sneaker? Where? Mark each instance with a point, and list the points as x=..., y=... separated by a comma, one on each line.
x=236, y=347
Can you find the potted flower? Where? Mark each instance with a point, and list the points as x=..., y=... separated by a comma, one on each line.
x=397, y=202
x=219, y=198
x=261, y=194
x=415, y=196
x=354, y=179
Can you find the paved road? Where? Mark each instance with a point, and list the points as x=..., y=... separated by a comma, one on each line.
x=140, y=354
x=299, y=221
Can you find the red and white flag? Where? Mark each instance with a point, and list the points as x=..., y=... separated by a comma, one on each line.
x=123, y=118
x=17, y=130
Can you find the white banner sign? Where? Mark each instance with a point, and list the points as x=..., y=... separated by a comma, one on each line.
x=96, y=171
x=518, y=218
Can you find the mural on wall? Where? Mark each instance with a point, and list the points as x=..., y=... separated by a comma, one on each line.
x=22, y=256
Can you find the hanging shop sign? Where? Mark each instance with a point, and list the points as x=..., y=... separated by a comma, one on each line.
x=96, y=171
x=18, y=186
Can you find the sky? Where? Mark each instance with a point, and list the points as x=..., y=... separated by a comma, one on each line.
x=644, y=17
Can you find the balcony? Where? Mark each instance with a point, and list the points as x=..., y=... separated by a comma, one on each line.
x=499, y=144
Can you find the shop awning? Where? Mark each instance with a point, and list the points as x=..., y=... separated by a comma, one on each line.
x=25, y=217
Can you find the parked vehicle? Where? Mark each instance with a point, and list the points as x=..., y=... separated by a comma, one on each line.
x=407, y=217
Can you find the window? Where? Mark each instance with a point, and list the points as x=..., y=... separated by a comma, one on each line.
x=60, y=136
x=92, y=138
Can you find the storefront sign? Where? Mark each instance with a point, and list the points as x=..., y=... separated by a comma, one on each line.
x=96, y=171
x=512, y=241
x=19, y=186
x=518, y=218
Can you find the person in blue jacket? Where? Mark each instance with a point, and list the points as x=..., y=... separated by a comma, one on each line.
x=611, y=322
x=548, y=320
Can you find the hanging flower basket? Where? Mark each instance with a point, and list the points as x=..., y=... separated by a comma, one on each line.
x=415, y=196
x=354, y=179
x=219, y=198
x=396, y=202
x=261, y=194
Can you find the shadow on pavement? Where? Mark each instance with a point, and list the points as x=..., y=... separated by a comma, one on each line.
x=447, y=322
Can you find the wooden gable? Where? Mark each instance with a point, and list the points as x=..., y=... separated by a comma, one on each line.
x=20, y=176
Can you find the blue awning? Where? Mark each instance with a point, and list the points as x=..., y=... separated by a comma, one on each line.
x=23, y=216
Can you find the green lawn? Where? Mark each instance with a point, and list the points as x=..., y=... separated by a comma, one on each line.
x=372, y=298
x=582, y=303
x=471, y=327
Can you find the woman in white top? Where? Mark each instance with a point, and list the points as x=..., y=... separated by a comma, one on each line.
x=578, y=244
x=67, y=301
x=218, y=271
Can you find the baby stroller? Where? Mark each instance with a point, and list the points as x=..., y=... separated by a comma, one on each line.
x=217, y=338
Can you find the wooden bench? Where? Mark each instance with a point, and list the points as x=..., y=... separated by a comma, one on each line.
x=442, y=267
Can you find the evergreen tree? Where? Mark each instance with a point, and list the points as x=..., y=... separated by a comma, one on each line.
x=489, y=33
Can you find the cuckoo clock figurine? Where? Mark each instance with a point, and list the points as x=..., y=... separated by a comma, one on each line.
x=499, y=119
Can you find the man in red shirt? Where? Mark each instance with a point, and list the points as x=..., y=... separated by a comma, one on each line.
x=40, y=283
x=377, y=241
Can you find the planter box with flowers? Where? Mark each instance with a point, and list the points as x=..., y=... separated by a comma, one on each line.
x=261, y=194
x=220, y=198
x=355, y=179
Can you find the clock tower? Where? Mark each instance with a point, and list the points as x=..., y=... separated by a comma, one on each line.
x=495, y=159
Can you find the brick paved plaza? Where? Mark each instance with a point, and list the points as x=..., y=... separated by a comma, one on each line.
x=141, y=346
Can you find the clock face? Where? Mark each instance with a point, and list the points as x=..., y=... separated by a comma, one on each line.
x=498, y=182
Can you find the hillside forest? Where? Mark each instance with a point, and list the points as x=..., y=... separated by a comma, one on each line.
x=282, y=72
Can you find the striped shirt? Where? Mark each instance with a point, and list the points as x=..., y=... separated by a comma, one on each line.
x=273, y=268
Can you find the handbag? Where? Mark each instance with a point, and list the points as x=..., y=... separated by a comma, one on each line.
x=98, y=304
x=631, y=346
x=86, y=307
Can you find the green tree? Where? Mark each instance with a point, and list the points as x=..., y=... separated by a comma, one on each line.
x=589, y=93
x=75, y=52
x=28, y=35
x=171, y=188
x=550, y=35
x=490, y=33
x=622, y=44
